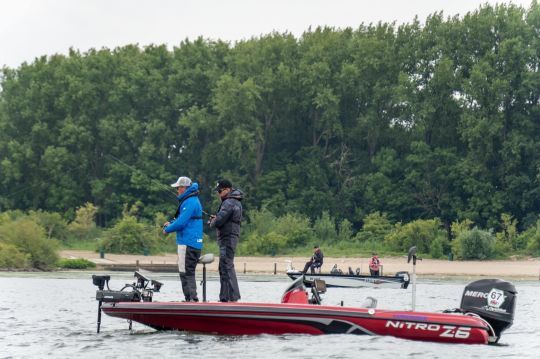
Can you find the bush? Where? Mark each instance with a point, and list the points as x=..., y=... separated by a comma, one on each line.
x=532, y=237
x=130, y=236
x=458, y=227
x=345, y=231
x=260, y=222
x=267, y=234
x=84, y=224
x=324, y=229
x=420, y=233
x=29, y=238
x=474, y=244
x=12, y=258
x=78, y=263
x=437, y=248
x=163, y=243
x=53, y=223
x=9, y=216
x=376, y=227
x=271, y=243
x=295, y=228
x=507, y=238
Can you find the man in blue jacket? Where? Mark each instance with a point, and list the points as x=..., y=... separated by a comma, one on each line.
x=188, y=225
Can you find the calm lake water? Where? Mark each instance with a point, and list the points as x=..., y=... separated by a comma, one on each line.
x=54, y=315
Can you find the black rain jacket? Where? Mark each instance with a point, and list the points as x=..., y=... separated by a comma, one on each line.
x=229, y=216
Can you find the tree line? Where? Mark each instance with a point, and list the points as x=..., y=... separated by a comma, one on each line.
x=439, y=119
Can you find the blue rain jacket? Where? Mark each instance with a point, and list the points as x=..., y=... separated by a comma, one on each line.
x=188, y=224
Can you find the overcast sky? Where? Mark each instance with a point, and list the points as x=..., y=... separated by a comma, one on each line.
x=31, y=28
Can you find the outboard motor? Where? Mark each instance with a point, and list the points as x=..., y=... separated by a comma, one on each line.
x=494, y=300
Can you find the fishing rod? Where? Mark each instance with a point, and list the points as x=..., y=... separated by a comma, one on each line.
x=24, y=187
x=160, y=185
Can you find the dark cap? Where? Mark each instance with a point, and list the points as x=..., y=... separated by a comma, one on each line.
x=223, y=183
x=315, y=247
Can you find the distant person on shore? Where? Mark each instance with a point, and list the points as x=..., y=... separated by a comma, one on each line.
x=227, y=221
x=374, y=265
x=188, y=225
x=315, y=262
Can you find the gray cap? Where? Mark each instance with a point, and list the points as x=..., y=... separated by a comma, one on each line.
x=182, y=182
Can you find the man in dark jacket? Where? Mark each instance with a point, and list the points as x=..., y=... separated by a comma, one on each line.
x=227, y=222
x=316, y=260
x=188, y=225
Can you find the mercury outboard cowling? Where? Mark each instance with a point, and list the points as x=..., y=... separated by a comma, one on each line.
x=492, y=299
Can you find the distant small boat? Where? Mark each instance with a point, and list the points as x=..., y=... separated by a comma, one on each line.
x=400, y=280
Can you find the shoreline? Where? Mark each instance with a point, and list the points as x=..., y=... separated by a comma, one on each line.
x=524, y=269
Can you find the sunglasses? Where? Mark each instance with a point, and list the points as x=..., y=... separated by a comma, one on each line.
x=219, y=190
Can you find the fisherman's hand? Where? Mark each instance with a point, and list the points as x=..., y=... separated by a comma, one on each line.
x=211, y=219
x=165, y=226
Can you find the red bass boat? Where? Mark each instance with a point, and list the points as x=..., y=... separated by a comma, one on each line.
x=487, y=309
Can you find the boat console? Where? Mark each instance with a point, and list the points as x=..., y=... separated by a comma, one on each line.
x=297, y=293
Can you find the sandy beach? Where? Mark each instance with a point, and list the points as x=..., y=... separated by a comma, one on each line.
x=519, y=269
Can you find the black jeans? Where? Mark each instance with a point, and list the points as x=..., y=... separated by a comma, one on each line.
x=374, y=273
x=311, y=265
x=229, y=290
x=187, y=263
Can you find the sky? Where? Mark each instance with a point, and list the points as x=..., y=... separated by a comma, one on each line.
x=32, y=28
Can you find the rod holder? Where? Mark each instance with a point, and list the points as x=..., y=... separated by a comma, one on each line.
x=411, y=255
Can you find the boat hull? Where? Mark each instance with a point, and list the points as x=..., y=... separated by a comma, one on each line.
x=264, y=318
x=354, y=281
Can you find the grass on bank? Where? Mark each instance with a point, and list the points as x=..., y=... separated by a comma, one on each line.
x=77, y=263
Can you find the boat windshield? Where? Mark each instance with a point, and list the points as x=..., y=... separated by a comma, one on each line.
x=297, y=283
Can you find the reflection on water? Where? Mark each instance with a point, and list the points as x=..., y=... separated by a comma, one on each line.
x=54, y=314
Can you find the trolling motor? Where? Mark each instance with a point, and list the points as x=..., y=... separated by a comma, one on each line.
x=142, y=290
x=412, y=255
